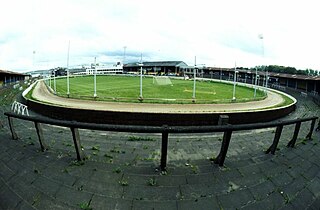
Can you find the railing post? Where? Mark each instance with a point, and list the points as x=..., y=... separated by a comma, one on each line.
x=164, y=149
x=295, y=135
x=40, y=136
x=76, y=141
x=13, y=132
x=277, y=136
x=224, y=148
x=309, y=135
x=223, y=120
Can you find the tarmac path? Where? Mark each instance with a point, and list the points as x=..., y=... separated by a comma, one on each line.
x=41, y=93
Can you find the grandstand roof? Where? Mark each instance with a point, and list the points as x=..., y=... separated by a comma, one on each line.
x=11, y=72
x=295, y=76
x=274, y=74
x=158, y=63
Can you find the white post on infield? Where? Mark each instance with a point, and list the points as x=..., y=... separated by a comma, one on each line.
x=141, y=64
x=255, y=83
x=234, y=82
x=50, y=75
x=68, y=72
x=95, y=78
x=33, y=59
x=54, y=82
x=194, y=78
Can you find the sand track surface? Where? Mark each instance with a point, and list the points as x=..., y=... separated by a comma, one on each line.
x=42, y=93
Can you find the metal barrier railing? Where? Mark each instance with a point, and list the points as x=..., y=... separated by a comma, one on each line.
x=19, y=108
x=165, y=130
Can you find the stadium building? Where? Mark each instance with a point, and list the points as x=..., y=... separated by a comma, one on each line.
x=156, y=68
x=303, y=83
x=306, y=84
x=116, y=69
x=9, y=77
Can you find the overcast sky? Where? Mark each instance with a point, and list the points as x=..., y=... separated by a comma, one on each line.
x=34, y=34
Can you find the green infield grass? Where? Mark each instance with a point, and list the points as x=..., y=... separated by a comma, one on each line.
x=127, y=89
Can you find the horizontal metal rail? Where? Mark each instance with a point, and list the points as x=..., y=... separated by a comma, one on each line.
x=165, y=130
x=156, y=129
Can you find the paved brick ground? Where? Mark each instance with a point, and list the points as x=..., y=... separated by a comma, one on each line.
x=120, y=171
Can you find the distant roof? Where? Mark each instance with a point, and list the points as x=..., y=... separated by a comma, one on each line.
x=11, y=72
x=158, y=64
x=295, y=76
x=273, y=74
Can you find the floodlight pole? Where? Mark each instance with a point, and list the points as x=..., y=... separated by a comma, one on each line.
x=95, y=78
x=266, y=70
x=124, y=54
x=141, y=64
x=234, y=82
x=68, y=82
x=194, y=78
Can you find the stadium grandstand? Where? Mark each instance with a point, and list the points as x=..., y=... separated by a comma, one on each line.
x=7, y=77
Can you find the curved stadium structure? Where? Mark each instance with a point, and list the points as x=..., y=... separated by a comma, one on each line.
x=42, y=99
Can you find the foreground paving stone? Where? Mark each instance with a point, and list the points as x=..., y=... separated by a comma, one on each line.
x=113, y=190
x=315, y=205
x=73, y=196
x=272, y=201
x=152, y=193
x=202, y=190
x=199, y=203
x=171, y=180
x=311, y=172
x=292, y=189
x=24, y=205
x=5, y=172
x=262, y=190
x=236, y=199
x=47, y=186
x=43, y=201
x=9, y=199
x=303, y=200
x=104, y=202
x=163, y=205
x=314, y=187
x=281, y=179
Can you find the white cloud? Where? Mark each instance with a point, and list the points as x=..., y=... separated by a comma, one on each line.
x=217, y=32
